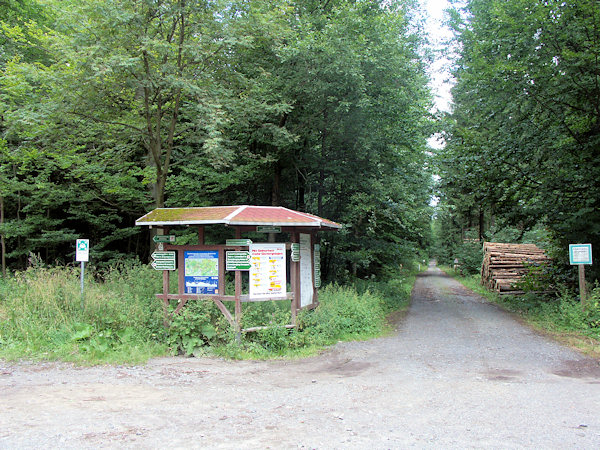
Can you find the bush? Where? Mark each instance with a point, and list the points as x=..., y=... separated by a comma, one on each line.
x=470, y=256
x=537, y=279
x=343, y=313
x=563, y=312
x=199, y=324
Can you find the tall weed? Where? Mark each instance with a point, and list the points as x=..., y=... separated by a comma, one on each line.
x=41, y=315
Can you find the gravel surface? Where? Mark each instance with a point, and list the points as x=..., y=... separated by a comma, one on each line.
x=459, y=373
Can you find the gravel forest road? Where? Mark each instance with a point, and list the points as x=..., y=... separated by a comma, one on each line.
x=458, y=373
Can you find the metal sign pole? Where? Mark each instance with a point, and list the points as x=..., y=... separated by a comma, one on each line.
x=82, y=254
x=82, y=271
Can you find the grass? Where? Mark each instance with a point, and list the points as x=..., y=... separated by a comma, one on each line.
x=560, y=316
x=121, y=322
x=41, y=316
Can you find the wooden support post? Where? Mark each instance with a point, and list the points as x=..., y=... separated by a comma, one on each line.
x=238, y=294
x=166, y=284
x=294, y=266
x=166, y=296
x=221, y=285
x=582, y=287
x=313, y=241
x=201, y=235
x=180, y=272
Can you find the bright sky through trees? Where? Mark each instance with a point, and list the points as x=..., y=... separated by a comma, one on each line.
x=439, y=34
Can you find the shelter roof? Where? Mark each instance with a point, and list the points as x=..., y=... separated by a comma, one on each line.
x=234, y=215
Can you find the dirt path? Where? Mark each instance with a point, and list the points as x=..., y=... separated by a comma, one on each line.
x=459, y=373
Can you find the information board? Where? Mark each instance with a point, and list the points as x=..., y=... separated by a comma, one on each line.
x=306, y=271
x=267, y=271
x=268, y=229
x=580, y=254
x=201, y=272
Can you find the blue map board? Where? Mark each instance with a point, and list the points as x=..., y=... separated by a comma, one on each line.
x=201, y=272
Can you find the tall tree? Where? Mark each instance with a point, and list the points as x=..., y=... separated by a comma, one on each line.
x=526, y=122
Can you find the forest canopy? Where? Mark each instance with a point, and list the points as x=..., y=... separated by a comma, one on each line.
x=523, y=139
x=110, y=108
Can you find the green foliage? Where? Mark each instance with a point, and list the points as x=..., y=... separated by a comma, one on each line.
x=122, y=321
x=539, y=278
x=322, y=108
x=469, y=257
x=200, y=324
x=343, y=312
x=522, y=141
x=41, y=315
x=108, y=108
x=563, y=313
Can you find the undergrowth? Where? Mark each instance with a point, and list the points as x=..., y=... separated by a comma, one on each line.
x=121, y=321
x=41, y=315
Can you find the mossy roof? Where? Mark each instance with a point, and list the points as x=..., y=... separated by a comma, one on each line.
x=234, y=215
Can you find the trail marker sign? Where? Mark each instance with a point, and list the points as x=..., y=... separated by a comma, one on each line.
x=82, y=250
x=237, y=261
x=238, y=242
x=295, y=256
x=164, y=238
x=82, y=254
x=163, y=260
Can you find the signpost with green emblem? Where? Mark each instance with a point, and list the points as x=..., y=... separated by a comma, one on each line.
x=82, y=254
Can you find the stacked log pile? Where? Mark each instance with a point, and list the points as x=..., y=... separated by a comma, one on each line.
x=505, y=264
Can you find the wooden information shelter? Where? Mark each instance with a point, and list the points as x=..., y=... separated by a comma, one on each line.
x=201, y=268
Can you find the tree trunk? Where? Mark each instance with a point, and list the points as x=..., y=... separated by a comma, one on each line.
x=321, y=191
x=300, y=194
x=276, y=188
x=481, y=223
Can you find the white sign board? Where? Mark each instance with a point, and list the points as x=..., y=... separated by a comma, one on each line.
x=267, y=271
x=306, y=271
x=580, y=254
x=82, y=250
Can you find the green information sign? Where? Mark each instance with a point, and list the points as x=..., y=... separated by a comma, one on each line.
x=238, y=242
x=164, y=238
x=580, y=254
x=268, y=229
x=163, y=265
x=295, y=252
x=237, y=260
x=163, y=260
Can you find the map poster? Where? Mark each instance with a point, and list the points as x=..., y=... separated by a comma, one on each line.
x=267, y=271
x=201, y=272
